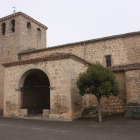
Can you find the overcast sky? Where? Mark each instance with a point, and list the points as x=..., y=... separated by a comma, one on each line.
x=71, y=21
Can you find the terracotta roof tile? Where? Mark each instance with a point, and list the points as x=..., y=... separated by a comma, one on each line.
x=57, y=56
x=48, y=57
x=127, y=67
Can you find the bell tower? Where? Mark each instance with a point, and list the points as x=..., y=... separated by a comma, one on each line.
x=18, y=32
x=22, y=32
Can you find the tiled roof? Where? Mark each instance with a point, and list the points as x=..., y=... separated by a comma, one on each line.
x=57, y=56
x=25, y=16
x=127, y=67
x=80, y=42
x=49, y=57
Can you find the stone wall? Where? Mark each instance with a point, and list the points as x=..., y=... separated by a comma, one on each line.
x=29, y=39
x=77, y=100
x=91, y=51
x=113, y=104
x=8, y=49
x=123, y=49
x=63, y=75
x=132, y=44
x=132, y=80
x=14, y=42
x=58, y=73
x=116, y=104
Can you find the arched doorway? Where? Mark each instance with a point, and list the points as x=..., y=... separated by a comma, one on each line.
x=35, y=93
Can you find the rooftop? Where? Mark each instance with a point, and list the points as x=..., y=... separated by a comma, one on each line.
x=25, y=16
x=126, y=67
x=80, y=42
x=48, y=57
x=58, y=56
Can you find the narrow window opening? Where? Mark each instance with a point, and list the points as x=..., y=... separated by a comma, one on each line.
x=3, y=25
x=38, y=32
x=108, y=61
x=13, y=25
x=29, y=25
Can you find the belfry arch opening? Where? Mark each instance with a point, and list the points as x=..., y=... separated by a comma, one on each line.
x=35, y=92
x=13, y=25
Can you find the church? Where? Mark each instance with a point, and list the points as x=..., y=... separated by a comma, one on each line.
x=36, y=81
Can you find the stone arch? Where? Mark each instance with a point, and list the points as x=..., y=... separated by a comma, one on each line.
x=38, y=32
x=3, y=26
x=12, y=24
x=21, y=96
x=28, y=25
x=27, y=71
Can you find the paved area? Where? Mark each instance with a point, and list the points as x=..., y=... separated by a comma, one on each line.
x=1, y=112
x=115, y=128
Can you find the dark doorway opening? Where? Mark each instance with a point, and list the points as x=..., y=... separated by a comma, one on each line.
x=36, y=93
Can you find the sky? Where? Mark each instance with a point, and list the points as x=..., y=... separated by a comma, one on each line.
x=71, y=21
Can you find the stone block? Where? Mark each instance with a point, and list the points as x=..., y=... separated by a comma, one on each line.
x=64, y=115
x=55, y=116
x=54, y=111
x=23, y=112
x=46, y=112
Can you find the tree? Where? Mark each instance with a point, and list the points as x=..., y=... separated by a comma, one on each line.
x=99, y=81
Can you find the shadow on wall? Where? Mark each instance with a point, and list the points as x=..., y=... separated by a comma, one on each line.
x=1, y=112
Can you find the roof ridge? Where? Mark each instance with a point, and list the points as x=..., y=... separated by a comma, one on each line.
x=47, y=57
x=125, y=67
x=57, y=55
x=25, y=16
x=79, y=42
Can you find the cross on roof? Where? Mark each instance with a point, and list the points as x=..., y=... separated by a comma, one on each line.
x=14, y=9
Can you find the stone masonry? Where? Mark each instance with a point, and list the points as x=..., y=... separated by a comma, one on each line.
x=23, y=51
x=23, y=38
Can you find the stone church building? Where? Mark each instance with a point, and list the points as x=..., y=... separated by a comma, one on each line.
x=40, y=81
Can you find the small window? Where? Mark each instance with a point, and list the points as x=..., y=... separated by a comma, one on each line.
x=13, y=25
x=108, y=61
x=3, y=25
x=38, y=32
x=29, y=25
